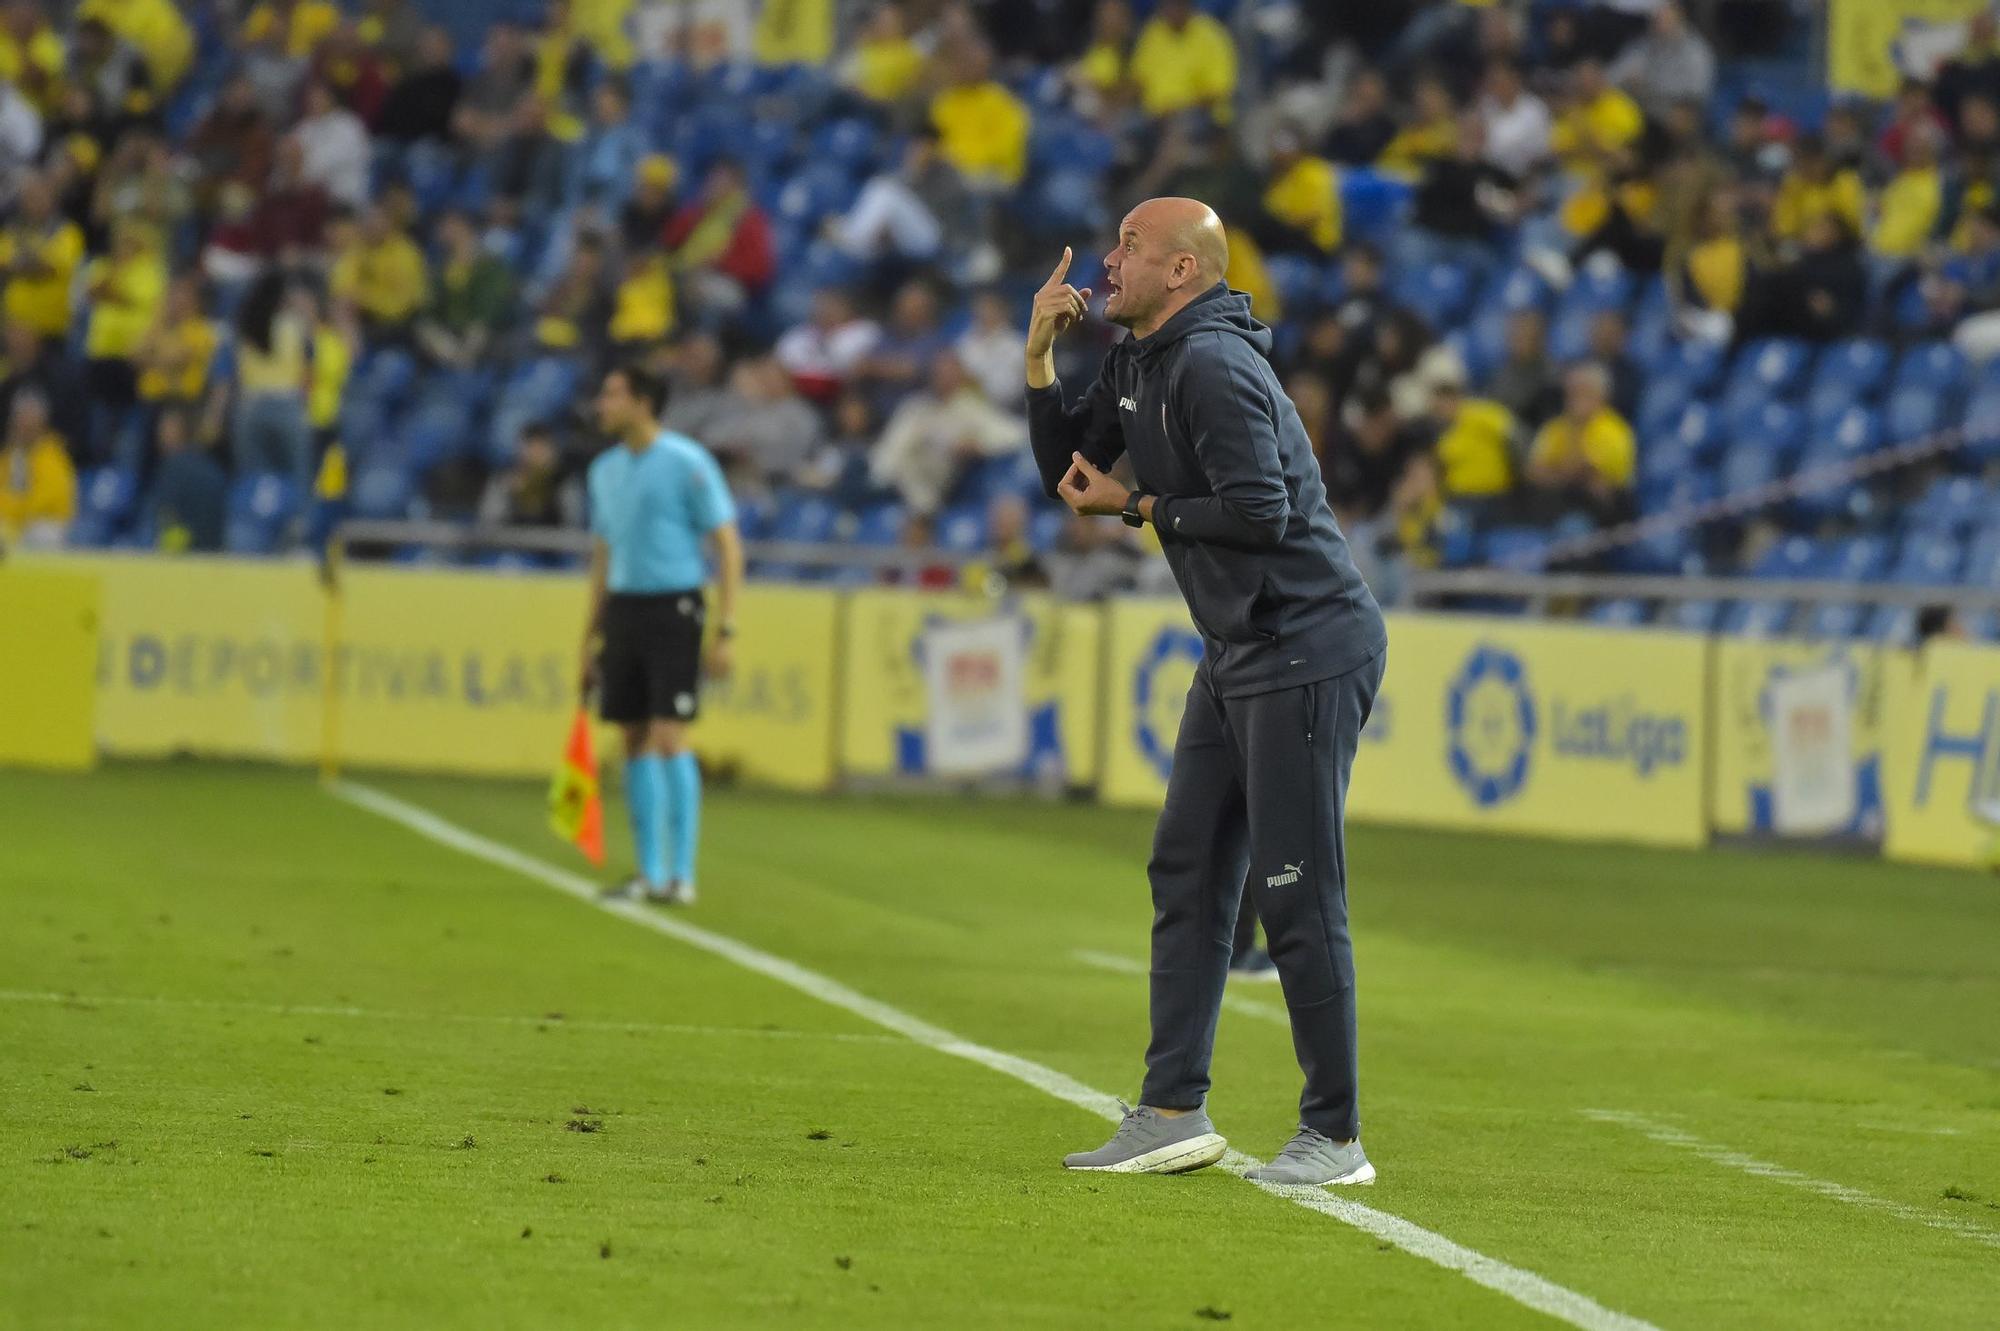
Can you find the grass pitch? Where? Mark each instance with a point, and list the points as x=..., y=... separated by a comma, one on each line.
x=267, y=1060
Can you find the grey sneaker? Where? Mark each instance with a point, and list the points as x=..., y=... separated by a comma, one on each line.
x=1148, y=1142
x=632, y=889
x=1311, y=1158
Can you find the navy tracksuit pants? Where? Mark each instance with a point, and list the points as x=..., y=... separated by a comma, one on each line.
x=1255, y=803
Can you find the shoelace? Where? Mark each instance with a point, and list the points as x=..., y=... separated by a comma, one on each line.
x=1303, y=1145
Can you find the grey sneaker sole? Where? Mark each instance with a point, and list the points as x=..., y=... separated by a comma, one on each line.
x=1179, y=1158
x=1361, y=1178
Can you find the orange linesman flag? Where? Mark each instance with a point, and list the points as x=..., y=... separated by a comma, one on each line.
x=576, y=810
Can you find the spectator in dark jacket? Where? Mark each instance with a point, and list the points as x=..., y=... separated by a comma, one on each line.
x=1821, y=295
x=1365, y=125
x=422, y=102
x=191, y=491
x=471, y=299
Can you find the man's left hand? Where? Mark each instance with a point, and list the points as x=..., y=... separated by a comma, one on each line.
x=719, y=660
x=1089, y=491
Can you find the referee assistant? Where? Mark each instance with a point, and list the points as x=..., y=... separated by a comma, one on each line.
x=658, y=505
x=1293, y=649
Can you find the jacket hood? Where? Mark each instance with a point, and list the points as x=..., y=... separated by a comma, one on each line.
x=1216, y=310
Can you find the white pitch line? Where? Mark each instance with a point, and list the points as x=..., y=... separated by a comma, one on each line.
x=1715, y=1153
x=1249, y=1007
x=381, y=1014
x=1524, y=1287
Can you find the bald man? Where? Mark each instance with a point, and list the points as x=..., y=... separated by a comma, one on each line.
x=1293, y=649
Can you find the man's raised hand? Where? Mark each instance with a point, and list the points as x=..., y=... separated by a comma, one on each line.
x=1058, y=306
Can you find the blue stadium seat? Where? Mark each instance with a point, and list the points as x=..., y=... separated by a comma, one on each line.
x=1651, y=338
x=381, y=492
x=1847, y=372
x=1777, y=428
x=1514, y=289
x=106, y=499
x=1601, y=283
x=803, y=517
x=879, y=525
x=1519, y=549
x=1937, y=366
x=1372, y=204
x=1749, y=465
x=1662, y=402
x=1699, y=431
x=1929, y=559
x=1892, y=625
x=1771, y=367
x=1982, y=560
x=1834, y=619
x=261, y=506
x=1298, y=280
x=1045, y=527
x=1954, y=503
x=1622, y=612
x=962, y=529
x=1756, y=619
x=1696, y=362
x=1794, y=558
x=1694, y=616
x=1982, y=424
x=1914, y=412
x=1438, y=293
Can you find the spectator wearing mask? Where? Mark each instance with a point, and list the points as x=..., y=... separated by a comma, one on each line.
x=720, y=245
x=270, y=430
x=990, y=350
x=473, y=298
x=1670, y=63
x=37, y=479
x=821, y=353
x=1184, y=60
x=1364, y=126
x=384, y=274
x=1585, y=457
x=336, y=152
x=40, y=251
x=982, y=128
x=1301, y=205
x=1515, y=121
x=938, y=434
x=534, y=490
x=190, y=492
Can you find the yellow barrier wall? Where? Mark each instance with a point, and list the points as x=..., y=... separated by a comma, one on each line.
x=1741, y=797
x=48, y=668
x=1481, y=723
x=1943, y=758
x=438, y=670
x=883, y=704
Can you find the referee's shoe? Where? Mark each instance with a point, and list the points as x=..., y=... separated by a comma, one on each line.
x=636, y=888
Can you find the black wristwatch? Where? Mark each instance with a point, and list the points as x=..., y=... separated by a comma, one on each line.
x=1132, y=516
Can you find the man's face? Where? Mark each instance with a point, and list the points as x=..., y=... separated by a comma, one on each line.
x=1139, y=272
x=1581, y=396
x=616, y=405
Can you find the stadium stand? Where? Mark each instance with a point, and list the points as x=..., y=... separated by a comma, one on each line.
x=1556, y=286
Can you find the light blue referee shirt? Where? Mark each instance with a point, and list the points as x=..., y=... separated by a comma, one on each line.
x=654, y=508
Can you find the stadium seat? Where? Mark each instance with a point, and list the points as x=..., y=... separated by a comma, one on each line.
x=381, y=493
x=1914, y=412
x=1651, y=338
x=1755, y=619
x=1937, y=366
x=1929, y=559
x=1697, y=362
x=1770, y=368
x=1981, y=445
x=1699, y=431
x=807, y=518
x=1372, y=204
x=1794, y=558
x=1747, y=466
x=1622, y=612
x=962, y=529
x=1834, y=619
x=1847, y=373
x=1045, y=527
x=1982, y=560
x=1518, y=549
x=106, y=499
x=1953, y=503
x=1892, y=625
x=1694, y=616
x=261, y=506
x=879, y=525
x=1439, y=293
x=1298, y=280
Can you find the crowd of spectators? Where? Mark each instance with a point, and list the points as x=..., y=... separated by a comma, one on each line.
x=220, y=224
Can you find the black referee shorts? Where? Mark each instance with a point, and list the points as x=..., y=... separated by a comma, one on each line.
x=650, y=665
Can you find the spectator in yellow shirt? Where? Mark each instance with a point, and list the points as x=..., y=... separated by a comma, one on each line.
x=298, y=25
x=1184, y=61
x=39, y=253
x=383, y=272
x=1813, y=188
x=125, y=289
x=1101, y=77
x=1431, y=135
x=1599, y=119
x=982, y=128
x=1907, y=213
x=642, y=307
x=1585, y=457
x=37, y=478
x=1475, y=442
x=885, y=64
x=270, y=430
x=156, y=28
x=1717, y=268
x=31, y=55
x=1302, y=200
x=329, y=360
x=175, y=357
x=793, y=32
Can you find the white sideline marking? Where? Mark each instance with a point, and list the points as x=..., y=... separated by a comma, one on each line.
x=381, y=1014
x=1715, y=1153
x=1524, y=1287
x=1249, y=1007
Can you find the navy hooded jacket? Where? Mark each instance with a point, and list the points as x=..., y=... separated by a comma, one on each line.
x=1239, y=504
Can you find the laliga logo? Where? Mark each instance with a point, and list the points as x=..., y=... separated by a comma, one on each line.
x=1492, y=718
x=1158, y=708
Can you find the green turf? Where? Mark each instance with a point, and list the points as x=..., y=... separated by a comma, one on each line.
x=177, y=1149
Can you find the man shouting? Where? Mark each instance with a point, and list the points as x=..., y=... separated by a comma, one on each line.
x=1293, y=649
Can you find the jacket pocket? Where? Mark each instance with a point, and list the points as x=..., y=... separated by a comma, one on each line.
x=1235, y=596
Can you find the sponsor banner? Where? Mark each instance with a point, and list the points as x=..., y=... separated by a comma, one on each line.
x=893, y=644
x=1798, y=737
x=978, y=717
x=1481, y=723
x=1871, y=42
x=48, y=668
x=1942, y=765
x=449, y=671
